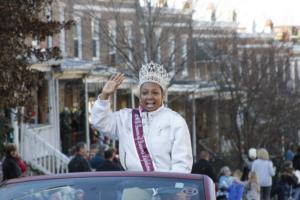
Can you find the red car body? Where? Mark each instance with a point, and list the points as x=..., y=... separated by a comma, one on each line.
x=110, y=186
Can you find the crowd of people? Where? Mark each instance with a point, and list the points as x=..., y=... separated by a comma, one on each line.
x=153, y=137
x=257, y=180
x=98, y=159
x=95, y=160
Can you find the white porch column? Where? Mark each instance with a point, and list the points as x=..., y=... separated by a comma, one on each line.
x=21, y=133
x=194, y=137
x=56, y=114
x=51, y=99
x=53, y=104
x=87, y=125
x=14, y=123
x=132, y=98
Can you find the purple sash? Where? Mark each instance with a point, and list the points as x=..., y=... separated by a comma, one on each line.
x=140, y=142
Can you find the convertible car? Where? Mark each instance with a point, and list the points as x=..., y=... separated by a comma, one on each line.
x=110, y=186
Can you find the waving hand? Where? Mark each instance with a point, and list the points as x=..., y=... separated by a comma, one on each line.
x=111, y=86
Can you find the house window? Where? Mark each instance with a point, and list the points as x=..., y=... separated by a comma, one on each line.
x=144, y=46
x=294, y=31
x=158, y=53
x=197, y=71
x=128, y=26
x=112, y=43
x=77, y=39
x=35, y=42
x=49, y=41
x=172, y=52
x=62, y=31
x=203, y=50
x=95, y=38
x=49, y=15
x=184, y=56
x=204, y=72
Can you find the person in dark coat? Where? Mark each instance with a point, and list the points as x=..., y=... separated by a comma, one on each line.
x=296, y=159
x=78, y=162
x=203, y=166
x=109, y=164
x=287, y=182
x=96, y=158
x=10, y=167
x=248, y=163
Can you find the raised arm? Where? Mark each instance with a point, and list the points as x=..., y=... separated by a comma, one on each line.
x=103, y=118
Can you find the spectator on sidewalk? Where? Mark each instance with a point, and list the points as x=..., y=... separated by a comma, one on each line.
x=22, y=165
x=290, y=152
x=224, y=182
x=236, y=189
x=97, y=158
x=203, y=166
x=79, y=163
x=109, y=164
x=252, y=187
x=248, y=161
x=288, y=180
x=10, y=167
x=265, y=170
x=296, y=159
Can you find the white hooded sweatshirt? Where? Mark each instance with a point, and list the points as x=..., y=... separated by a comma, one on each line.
x=165, y=131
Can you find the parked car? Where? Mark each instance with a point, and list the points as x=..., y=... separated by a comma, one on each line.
x=110, y=186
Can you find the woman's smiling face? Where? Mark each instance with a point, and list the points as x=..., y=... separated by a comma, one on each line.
x=151, y=96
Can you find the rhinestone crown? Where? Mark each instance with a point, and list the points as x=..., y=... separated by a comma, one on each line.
x=155, y=73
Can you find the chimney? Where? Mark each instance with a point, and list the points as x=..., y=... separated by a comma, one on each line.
x=268, y=26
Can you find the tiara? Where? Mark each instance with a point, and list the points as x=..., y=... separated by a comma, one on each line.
x=155, y=73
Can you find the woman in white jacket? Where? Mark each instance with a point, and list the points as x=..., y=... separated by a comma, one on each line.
x=151, y=137
x=264, y=169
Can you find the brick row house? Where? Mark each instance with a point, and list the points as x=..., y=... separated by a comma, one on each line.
x=119, y=36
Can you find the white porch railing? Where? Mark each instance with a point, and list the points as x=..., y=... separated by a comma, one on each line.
x=41, y=155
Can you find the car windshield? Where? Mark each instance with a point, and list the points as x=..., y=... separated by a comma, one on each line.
x=105, y=188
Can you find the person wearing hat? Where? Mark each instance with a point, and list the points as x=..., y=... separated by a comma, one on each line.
x=248, y=163
x=151, y=137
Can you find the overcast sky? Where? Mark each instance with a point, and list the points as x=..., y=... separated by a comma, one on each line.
x=282, y=12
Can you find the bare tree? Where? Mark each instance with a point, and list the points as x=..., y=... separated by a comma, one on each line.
x=253, y=75
x=135, y=32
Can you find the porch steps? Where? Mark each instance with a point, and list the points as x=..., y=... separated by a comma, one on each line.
x=41, y=155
